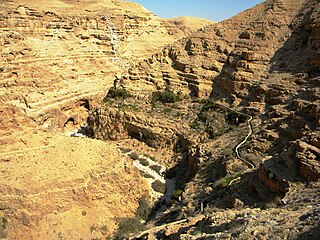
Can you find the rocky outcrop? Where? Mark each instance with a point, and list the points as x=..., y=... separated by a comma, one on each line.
x=246, y=223
x=309, y=160
x=56, y=54
x=233, y=58
x=256, y=59
x=313, y=41
x=114, y=124
x=59, y=59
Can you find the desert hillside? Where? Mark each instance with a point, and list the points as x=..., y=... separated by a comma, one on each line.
x=117, y=124
x=58, y=59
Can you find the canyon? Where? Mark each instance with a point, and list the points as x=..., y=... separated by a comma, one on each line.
x=184, y=128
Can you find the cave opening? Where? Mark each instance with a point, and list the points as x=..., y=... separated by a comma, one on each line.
x=85, y=103
x=70, y=120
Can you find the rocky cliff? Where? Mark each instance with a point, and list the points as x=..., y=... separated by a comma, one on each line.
x=60, y=53
x=261, y=63
x=229, y=109
x=58, y=58
x=260, y=60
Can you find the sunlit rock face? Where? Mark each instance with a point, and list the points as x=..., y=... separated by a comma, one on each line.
x=57, y=54
x=195, y=91
x=58, y=58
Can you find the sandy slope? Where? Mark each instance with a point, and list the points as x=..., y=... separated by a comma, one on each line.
x=53, y=185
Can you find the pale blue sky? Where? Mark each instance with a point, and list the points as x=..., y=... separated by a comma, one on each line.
x=215, y=10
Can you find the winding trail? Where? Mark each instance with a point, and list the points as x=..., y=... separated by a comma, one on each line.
x=243, y=142
x=238, y=154
x=138, y=236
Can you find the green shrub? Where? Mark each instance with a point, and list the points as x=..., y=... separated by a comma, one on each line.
x=128, y=226
x=224, y=182
x=145, y=175
x=144, y=208
x=144, y=161
x=236, y=118
x=179, y=114
x=159, y=186
x=117, y=93
x=208, y=105
x=167, y=110
x=3, y=226
x=194, y=124
x=176, y=194
x=196, y=232
x=133, y=156
x=125, y=150
x=166, y=96
x=156, y=168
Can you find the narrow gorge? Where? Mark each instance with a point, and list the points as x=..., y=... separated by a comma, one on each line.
x=118, y=124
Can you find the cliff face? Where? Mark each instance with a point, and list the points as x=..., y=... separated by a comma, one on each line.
x=58, y=58
x=55, y=54
x=227, y=59
x=263, y=60
x=189, y=99
x=313, y=41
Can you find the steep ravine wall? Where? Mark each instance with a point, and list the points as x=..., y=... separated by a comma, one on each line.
x=55, y=54
x=108, y=123
x=226, y=60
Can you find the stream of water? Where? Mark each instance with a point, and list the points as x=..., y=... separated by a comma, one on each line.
x=115, y=44
x=152, y=172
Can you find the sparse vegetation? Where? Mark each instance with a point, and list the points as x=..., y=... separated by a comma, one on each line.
x=118, y=93
x=3, y=226
x=234, y=225
x=133, y=156
x=178, y=114
x=176, y=194
x=125, y=150
x=146, y=175
x=223, y=182
x=236, y=118
x=208, y=106
x=144, y=208
x=151, y=157
x=156, y=168
x=167, y=110
x=227, y=152
x=144, y=161
x=196, y=232
x=159, y=186
x=128, y=226
x=131, y=107
x=216, y=119
x=194, y=124
x=166, y=96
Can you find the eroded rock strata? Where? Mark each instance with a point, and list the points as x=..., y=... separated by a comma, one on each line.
x=227, y=111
